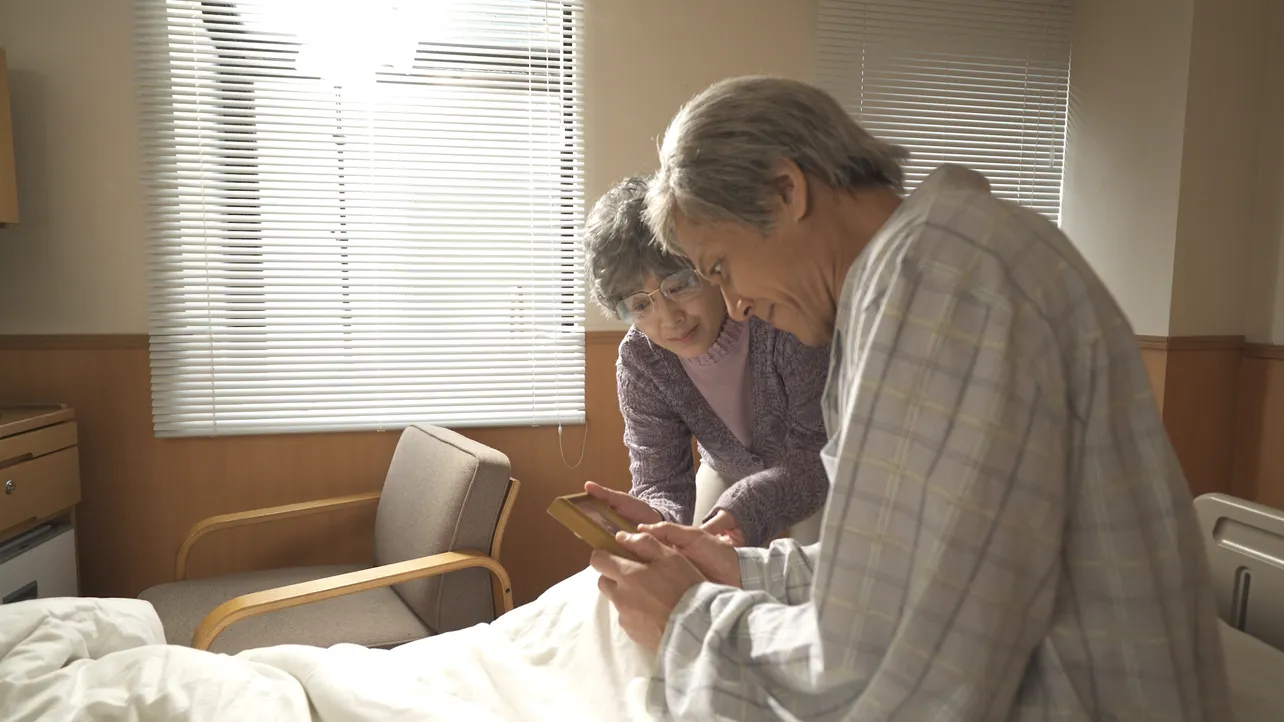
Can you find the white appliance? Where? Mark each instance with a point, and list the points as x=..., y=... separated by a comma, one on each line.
x=39, y=563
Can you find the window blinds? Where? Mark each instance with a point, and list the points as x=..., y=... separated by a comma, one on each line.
x=363, y=213
x=981, y=83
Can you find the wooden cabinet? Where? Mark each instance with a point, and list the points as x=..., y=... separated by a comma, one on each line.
x=39, y=491
x=39, y=467
x=8, y=176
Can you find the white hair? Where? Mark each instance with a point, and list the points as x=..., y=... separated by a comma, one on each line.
x=720, y=155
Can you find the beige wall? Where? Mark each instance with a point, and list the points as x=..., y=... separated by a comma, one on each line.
x=77, y=263
x=1219, y=161
x=1172, y=186
x=1264, y=309
x=1123, y=169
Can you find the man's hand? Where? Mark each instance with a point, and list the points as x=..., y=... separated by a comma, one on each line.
x=645, y=592
x=629, y=507
x=713, y=556
x=724, y=525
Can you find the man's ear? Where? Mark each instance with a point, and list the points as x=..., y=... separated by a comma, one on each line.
x=792, y=190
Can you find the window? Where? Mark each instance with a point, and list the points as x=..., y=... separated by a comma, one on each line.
x=363, y=213
x=981, y=83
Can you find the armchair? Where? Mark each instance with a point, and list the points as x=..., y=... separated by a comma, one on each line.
x=439, y=526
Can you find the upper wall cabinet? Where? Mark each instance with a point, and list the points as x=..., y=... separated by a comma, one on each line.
x=8, y=177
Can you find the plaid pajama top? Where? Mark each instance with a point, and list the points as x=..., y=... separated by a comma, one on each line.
x=1008, y=534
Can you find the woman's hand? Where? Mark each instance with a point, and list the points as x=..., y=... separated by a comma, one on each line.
x=724, y=525
x=629, y=507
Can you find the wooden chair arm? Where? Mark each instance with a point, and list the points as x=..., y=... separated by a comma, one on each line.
x=293, y=595
x=258, y=516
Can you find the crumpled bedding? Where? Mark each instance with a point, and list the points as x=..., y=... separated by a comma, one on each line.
x=561, y=657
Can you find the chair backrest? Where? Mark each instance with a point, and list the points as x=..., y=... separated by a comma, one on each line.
x=444, y=492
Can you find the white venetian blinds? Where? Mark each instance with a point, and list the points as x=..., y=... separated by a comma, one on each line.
x=363, y=213
x=982, y=83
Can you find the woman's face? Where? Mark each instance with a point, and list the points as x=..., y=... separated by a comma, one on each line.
x=685, y=318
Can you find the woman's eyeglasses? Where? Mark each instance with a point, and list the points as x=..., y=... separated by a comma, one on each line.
x=675, y=287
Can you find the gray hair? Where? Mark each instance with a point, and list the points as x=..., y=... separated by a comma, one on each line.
x=619, y=249
x=721, y=152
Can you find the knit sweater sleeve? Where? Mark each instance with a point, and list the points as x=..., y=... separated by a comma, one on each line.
x=769, y=502
x=661, y=459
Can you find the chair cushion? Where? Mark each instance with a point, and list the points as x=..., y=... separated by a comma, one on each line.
x=374, y=618
x=443, y=493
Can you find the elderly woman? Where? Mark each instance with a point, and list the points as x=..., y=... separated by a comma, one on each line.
x=749, y=394
x=1009, y=533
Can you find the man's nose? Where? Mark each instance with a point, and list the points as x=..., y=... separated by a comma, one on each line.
x=738, y=307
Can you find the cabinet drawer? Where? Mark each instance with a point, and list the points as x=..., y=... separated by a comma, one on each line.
x=39, y=488
x=29, y=445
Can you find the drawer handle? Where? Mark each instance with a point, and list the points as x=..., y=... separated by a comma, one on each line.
x=17, y=460
x=10, y=487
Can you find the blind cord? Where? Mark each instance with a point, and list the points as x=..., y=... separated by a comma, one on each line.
x=583, y=445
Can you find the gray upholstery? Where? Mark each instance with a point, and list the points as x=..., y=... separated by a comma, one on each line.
x=375, y=618
x=443, y=492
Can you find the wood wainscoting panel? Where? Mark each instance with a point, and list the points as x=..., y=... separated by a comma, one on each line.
x=1156, y=361
x=1259, y=453
x=1200, y=398
x=141, y=494
x=1196, y=383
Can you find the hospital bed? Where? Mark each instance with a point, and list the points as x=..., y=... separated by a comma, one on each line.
x=1245, y=543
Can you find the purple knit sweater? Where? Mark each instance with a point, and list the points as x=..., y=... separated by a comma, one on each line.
x=780, y=483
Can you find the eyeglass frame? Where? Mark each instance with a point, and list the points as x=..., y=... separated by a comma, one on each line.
x=678, y=297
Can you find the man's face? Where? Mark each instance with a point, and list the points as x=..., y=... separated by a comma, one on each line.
x=774, y=277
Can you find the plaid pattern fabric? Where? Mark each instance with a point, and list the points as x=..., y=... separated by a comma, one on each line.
x=1008, y=534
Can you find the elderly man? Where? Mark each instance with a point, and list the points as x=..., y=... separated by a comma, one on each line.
x=1008, y=534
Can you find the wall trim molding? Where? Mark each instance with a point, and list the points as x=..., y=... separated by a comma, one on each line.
x=1191, y=343
x=1264, y=350
x=131, y=341
x=118, y=341
x=74, y=342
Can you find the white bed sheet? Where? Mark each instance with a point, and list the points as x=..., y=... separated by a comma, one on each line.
x=560, y=658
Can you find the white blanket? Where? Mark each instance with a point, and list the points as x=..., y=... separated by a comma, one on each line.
x=562, y=658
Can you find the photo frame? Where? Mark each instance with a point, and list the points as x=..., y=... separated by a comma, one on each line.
x=593, y=521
